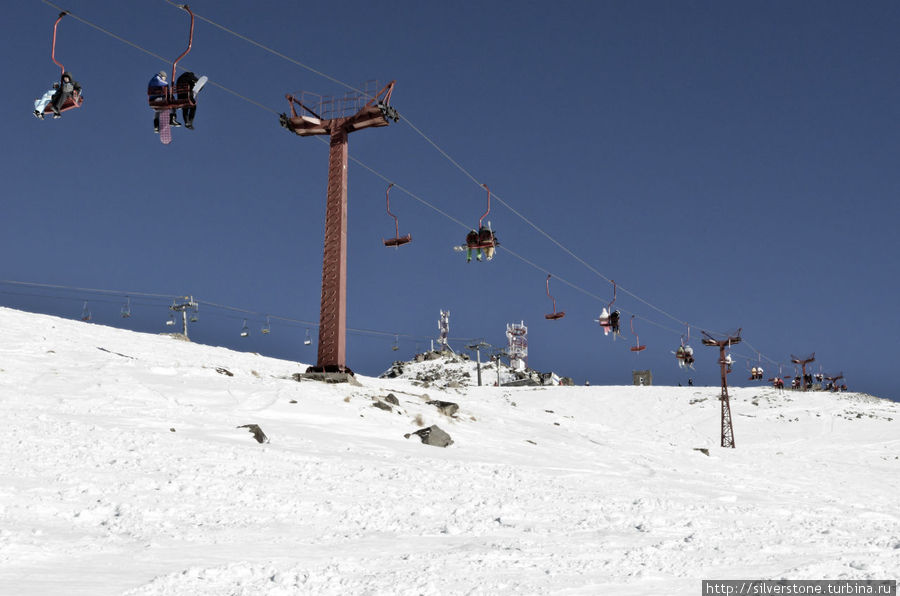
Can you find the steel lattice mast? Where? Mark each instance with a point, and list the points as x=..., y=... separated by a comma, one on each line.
x=727, y=427
x=348, y=114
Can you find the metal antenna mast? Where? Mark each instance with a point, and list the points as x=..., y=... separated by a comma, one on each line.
x=727, y=428
x=336, y=117
x=803, y=362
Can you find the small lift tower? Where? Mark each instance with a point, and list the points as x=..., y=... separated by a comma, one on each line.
x=803, y=362
x=727, y=428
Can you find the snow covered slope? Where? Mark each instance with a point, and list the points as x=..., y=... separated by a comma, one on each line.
x=122, y=472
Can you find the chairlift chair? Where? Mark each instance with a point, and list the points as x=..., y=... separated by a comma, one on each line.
x=685, y=353
x=245, y=331
x=605, y=318
x=484, y=238
x=195, y=313
x=265, y=330
x=396, y=345
x=126, y=308
x=637, y=347
x=166, y=99
x=397, y=240
x=171, y=320
x=307, y=341
x=554, y=315
x=77, y=99
x=85, y=312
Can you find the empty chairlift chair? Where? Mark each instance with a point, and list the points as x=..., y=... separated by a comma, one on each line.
x=555, y=314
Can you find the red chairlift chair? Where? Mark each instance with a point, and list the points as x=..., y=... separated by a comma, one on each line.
x=484, y=239
x=397, y=240
x=77, y=99
x=169, y=98
x=637, y=347
x=606, y=313
x=554, y=315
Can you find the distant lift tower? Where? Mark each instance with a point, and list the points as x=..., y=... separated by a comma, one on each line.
x=444, y=328
x=727, y=428
x=336, y=117
x=517, y=345
x=183, y=305
x=803, y=362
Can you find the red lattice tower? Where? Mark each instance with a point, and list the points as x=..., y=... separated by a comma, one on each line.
x=727, y=428
x=337, y=118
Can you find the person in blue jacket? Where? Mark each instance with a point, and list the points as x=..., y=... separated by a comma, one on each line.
x=156, y=89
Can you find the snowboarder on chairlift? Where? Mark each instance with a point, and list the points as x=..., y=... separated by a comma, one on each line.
x=472, y=242
x=614, y=322
x=68, y=88
x=184, y=87
x=156, y=89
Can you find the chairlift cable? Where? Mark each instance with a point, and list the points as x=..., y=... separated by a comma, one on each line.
x=411, y=194
x=158, y=56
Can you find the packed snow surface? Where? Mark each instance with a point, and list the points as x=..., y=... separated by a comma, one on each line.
x=122, y=471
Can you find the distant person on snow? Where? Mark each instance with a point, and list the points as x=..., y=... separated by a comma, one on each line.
x=67, y=89
x=156, y=89
x=184, y=87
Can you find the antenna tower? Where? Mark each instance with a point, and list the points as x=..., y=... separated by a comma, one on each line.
x=517, y=345
x=727, y=428
x=444, y=328
x=337, y=118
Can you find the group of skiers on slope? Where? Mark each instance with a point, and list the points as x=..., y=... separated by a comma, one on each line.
x=69, y=89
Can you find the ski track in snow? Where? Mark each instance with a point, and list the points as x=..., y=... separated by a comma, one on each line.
x=122, y=472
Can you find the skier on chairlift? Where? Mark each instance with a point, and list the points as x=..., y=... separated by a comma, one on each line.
x=157, y=89
x=66, y=89
x=41, y=104
x=184, y=87
x=487, y=240
x=614, y=322
x=472, y=243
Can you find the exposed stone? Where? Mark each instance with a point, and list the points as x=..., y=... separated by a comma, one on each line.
x=392, y=399
x=224, y=371
x=382, y=406
x=447, y=408
x=258, y=434
x=702, y=450
x=432, y=435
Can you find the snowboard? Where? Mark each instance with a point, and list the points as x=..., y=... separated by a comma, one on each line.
x=199, y=85
x=165, y=130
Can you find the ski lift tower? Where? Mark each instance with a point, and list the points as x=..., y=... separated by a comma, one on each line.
x=336, y=117
x=727, y=428
x=517, y=345
x=803, y=362
x=185, y=304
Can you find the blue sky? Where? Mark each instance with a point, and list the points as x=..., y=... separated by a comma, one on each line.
x=729, y=164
